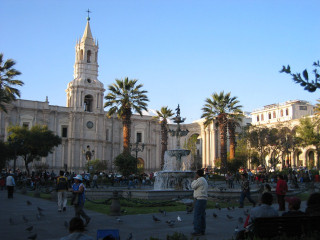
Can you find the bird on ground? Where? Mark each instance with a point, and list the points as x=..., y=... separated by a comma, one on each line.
x=155, y=219
x=189, y=209
x=29, y=203
x=66, y=224
x=29, y=228
x=232, y=207
x=40, y=209
x=214, y=215
x=218, y=206
x=164, y=213
x=179, y=219
x=123, y=211
x=229, y=208
x=130, y=237
x=229, y=217
x=11, y=221
x=33, y=237
x=171, y=223
x=38, y=216
x=119, y=220
x=240, y=220
x=25, y=219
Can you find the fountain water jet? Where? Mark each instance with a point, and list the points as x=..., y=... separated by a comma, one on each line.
x=176, y=174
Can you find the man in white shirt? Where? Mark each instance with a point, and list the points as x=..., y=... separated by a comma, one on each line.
x=200, y=194
x=10, y=185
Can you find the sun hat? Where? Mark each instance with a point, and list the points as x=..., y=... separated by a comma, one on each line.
x=79, y=177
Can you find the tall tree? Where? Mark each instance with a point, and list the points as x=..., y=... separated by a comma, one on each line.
x=163, y=116
x=36, y=142
x=304, y=81
x=308, y=135
x=216, y=109
x=124, y=97
x=8, y=92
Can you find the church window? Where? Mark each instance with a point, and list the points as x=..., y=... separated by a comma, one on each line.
x=262, y=117
x=281, y=113
x=88, y=99
x=25, y=125
x=96, y=57
x=89, y=80
x=81, y=54
x=107, y=135
x=64, y=131
x=88, y=56
x=287, y=112
x=258, y=118
x=269, y=115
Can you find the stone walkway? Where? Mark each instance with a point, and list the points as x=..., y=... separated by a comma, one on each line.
x=51, y=225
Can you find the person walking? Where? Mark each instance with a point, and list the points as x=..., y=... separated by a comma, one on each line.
x=10, y=185
x=95, y=181
x=62, y=188
x=245, y=190
x=78, y=190
x=281, y=190
x=200, y=194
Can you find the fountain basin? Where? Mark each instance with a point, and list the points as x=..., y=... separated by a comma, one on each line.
x=173, y=180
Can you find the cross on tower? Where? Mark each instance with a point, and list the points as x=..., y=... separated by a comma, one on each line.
x=88, y=11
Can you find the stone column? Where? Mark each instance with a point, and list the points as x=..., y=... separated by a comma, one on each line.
x=203, y=143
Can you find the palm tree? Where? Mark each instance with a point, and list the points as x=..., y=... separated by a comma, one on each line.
x=162, y=116
x=123, y=97
x=216, y=110
x=7, y=73
x=233, y=122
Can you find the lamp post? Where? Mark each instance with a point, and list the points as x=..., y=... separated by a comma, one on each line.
x=88, y=154
x=136, y=148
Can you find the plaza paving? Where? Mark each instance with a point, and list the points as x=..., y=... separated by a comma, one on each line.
x=51, y=225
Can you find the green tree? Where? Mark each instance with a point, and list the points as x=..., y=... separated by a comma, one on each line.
x=163, y=116
x=8, y=92
x=191, y=145
x=216, y=110
x=97, y=165
x=124, y=97
x=258, y=139
x=126, y=164
x=308, y=135
x=36, y=142
x=303, y=79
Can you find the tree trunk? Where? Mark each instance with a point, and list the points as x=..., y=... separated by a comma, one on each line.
x=164, y=141
x=232, y=140
x=126, y=122
x=223, y=141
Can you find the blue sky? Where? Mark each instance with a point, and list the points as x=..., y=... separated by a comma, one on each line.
x=182, y=51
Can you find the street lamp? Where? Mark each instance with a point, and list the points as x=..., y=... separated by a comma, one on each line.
x=136, y=148
x=88, y=154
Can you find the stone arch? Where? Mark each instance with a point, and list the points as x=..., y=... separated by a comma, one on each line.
x=88, y=56
x=81, y=54
x=88, y=103
x=311, y=159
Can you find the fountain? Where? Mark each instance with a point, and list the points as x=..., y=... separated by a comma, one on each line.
x=175, y=174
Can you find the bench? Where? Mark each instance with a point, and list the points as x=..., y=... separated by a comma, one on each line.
x=292, y=227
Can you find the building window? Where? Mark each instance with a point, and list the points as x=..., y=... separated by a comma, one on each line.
x=81, y=54
x=281, y=113
x=88, y=56
x=262, y=117
x=88, y=99
x=302, y=107
x=107, y=135
x=269, y=115
x=139, y=137
x=96, y=57
x=25, y=125
x=274, y=114
x=64, y=132
x=287, y=112
x=258, y=118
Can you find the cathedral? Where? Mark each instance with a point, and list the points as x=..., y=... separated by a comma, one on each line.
x=85, y=130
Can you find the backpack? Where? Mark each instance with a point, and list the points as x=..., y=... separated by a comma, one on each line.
x=62, y=183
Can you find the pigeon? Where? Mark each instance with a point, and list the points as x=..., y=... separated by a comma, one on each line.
x=218, y=206
x=66, y=224
x=189, y=209
x=123, y=211
x=11, y=221
x=240, y=220
x=232, y=207
x=29, y=228
x=155, y=219
x=40, y=209
x=38, y=216
x=29, y=203
x=179, y=219
x=171, y=223
x=33, y=237
x=25, y=219
x=229, y=217
x=130, y=237
x=215, y=215
x=119, y=220
x=41, y=214
x=229, y=208
x=164, y=213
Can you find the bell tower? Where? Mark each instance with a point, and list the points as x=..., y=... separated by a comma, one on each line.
x=85, y=92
